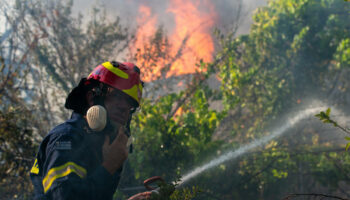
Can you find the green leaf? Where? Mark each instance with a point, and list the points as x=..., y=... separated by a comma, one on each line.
x=347, y=146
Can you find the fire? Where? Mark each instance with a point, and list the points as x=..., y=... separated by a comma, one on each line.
x=147, y=25
x=190, y=21
x=194, y=20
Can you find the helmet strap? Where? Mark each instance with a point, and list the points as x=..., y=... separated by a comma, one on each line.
x=99, y=94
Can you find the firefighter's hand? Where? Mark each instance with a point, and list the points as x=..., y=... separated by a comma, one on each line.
x=140, y=196
x=116, y=153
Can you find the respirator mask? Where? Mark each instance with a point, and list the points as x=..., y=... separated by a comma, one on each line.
x=98, y=120
x=124, y=77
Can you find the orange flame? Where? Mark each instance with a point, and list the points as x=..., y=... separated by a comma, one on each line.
x=196, y=25
x=147, y=25
x=194, y=20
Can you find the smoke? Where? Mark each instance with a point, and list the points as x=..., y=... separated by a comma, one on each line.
x=227, y=11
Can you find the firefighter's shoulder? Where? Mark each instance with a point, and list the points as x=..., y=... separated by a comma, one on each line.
x=64, y=137
x=64, y=156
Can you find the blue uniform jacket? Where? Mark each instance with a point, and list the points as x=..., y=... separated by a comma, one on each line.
x=68, y=164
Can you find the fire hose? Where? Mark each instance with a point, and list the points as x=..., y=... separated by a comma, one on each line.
x=162, y=190
x=151, y=180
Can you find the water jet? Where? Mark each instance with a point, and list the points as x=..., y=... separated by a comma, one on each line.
x=241, y=150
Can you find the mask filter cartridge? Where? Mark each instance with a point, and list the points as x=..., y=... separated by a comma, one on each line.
x=97, y=117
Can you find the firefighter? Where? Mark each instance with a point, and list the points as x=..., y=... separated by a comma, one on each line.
x=83, y=157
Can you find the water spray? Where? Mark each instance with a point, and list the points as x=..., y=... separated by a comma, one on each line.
x=236, y=153
x=259, y=142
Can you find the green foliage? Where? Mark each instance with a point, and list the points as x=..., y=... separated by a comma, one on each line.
x=348, y=144
x=17, y=150
x=167, y=145
x=342, y=55
x=290, y=54
x=186, y=193
x=168, y=191
x=325, y=118
x=17, y=138
x=293, y=51
x=288, y=38
x=164, y=191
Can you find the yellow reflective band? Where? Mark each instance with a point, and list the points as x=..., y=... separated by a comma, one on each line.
x=62, y=171
x=134, y=92
x=35, y=168
x=115, y=70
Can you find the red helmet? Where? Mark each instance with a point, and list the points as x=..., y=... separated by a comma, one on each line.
x=122, y=76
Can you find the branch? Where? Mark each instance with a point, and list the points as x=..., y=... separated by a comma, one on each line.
x=291, y=196
x=338, y=166
x=246, y=180
x=325, y=118
x=190, y=91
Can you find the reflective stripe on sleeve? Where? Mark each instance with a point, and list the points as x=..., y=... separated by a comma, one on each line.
x=62, y=171
x=35, y=168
